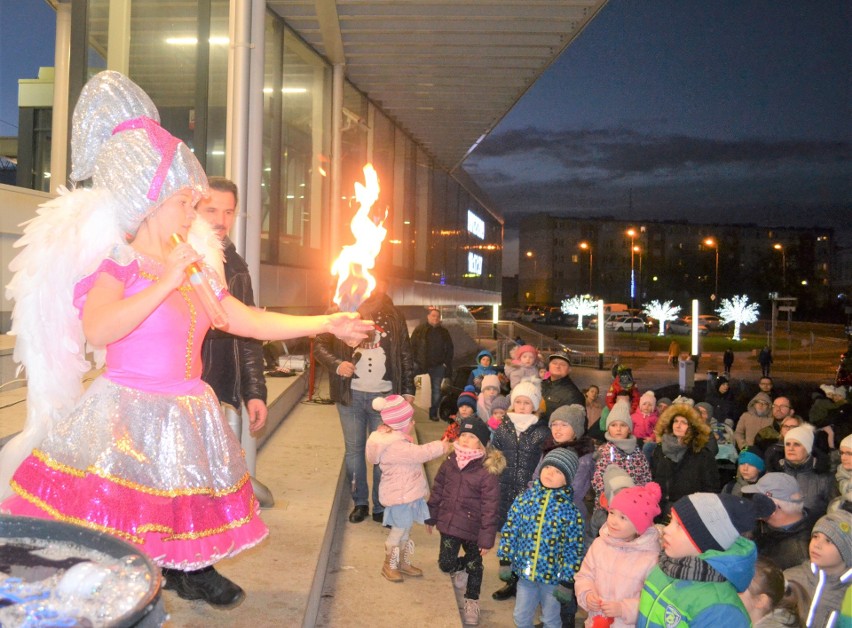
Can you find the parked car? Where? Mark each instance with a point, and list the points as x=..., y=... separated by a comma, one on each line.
x=554, y=316
x=532, y=316
x=510, y=314
x=683, y=327
x=633, y=323
x=710, y=321
x=609, y=321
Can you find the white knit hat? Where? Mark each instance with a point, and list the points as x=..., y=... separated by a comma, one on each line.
x=648, y=395
x=530, y=391
x=802, y=434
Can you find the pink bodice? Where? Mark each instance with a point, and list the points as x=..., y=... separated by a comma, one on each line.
x=163, y=354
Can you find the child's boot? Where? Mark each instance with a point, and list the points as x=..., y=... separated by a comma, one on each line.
x=470, y=615
x=390, y=569
x=405, y=566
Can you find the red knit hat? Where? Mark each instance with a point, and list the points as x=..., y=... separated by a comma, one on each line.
x=395, y=410
x=640, y=504
x=526, y=349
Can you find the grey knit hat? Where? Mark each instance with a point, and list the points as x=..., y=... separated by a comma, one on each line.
x=620, y=412
x=500, y=402
x=614, y=479
x=574, y=415
x=564, y=459
x=837, y=526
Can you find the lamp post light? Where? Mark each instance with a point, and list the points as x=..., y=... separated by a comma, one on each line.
x=531, y=255
x=780, y=247
x=632, y=233
x=588, y=247
x=638, y=249
x=715, y=245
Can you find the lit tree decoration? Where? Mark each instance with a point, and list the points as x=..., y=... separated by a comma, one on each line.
x=662, y=312
x=738, y=310
x=581, y=305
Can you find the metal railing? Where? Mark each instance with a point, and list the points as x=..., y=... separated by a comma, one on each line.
x=507, y=333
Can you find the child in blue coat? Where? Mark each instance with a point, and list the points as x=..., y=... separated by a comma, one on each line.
x=543, y=542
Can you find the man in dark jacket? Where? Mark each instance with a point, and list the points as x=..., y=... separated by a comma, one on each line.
x=381, y=365
x=783, y=531
x=233, y=365
x=559, y=389
x=432, y=348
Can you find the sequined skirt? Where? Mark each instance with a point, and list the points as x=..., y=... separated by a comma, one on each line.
x=163, y=472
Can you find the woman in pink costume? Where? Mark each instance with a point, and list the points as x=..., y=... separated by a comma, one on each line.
x=144, y=454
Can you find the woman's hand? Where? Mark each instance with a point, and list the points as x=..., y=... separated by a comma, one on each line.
x=349, y=327
x=177, y=262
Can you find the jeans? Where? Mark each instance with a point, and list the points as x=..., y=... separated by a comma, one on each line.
x=436, y=375
x=358, y=420
x=532, y=594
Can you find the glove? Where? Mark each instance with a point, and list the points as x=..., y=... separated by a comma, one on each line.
x=506, y=573
x=564, y=592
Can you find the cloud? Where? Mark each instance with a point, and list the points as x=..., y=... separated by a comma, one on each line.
x=606, y=172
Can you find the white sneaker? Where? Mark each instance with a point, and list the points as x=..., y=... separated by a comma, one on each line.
x=470, y=615
x=459, y=579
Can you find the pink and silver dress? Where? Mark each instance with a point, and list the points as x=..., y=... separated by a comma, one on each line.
x=146, y=454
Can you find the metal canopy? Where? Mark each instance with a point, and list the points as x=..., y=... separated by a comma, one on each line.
x=447, y=71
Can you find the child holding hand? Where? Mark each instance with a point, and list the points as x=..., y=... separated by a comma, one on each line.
x=464, y=507
x=615, y=567
x=403, y=488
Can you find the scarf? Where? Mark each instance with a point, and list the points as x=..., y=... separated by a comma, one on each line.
x=522, y=422
x=844, y=481
x=627, y=445
x=483, y=407
x=689, y=568
x=465, y=456
x=672, y=449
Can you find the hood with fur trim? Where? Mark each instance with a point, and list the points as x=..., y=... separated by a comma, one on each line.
x=494, y=461
x=698, y=434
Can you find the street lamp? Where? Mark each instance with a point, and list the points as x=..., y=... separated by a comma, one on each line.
x=780, y=247
x=638, y=249
x=531, y=255
x=588, y=247
x=715, y=245
x=632, y=233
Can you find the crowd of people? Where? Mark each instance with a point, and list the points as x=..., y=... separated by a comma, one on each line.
x=604, y=505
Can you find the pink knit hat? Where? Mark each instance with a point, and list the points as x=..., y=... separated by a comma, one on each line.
x=640, y=504
x=395, y=410
x=526, y=349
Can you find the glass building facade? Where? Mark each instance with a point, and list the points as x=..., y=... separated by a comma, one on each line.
x=439, y=231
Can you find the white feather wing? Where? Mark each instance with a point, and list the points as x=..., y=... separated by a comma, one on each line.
x=67, y=239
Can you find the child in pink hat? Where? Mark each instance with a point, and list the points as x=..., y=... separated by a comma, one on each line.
x=610, y=579
x=524, y=366
x=403, y=488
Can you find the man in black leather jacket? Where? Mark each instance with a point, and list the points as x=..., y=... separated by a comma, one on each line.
x=233, y=365
x=381, y=365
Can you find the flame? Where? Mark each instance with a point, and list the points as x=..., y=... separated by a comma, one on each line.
x=353, y=265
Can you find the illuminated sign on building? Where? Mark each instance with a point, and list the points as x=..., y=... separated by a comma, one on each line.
x=474, y=264
x=475, y=225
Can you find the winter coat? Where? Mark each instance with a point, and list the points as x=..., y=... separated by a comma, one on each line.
x=464, y=502
x=825, y=599
x=401, y=461
x=233, y=365
x=735, y=486
x=615, y=388
x=667, y=602
x=750, y=423
x=787, y=546
x=431, y=345
x=818, y=487
x=634, y=463
x=330, y=351
x=778, y=618
x=584, y=447
x=696, y=472
x=517, y=373
x=543, y=535
x=560, y=392
x=522, y=452
x=616, y=570
x=643, y=424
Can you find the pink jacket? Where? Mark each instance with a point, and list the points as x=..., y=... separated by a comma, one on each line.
x=401, y=461
x=616, y=570
x=643, y=424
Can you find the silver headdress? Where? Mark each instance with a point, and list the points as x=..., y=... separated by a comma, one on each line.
x=117, y=141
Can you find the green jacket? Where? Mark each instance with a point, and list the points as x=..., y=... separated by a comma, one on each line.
x=666, y=602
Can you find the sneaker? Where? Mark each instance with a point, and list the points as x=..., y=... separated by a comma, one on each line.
x=209, y=585
x=470, y=614
x=459, y=579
